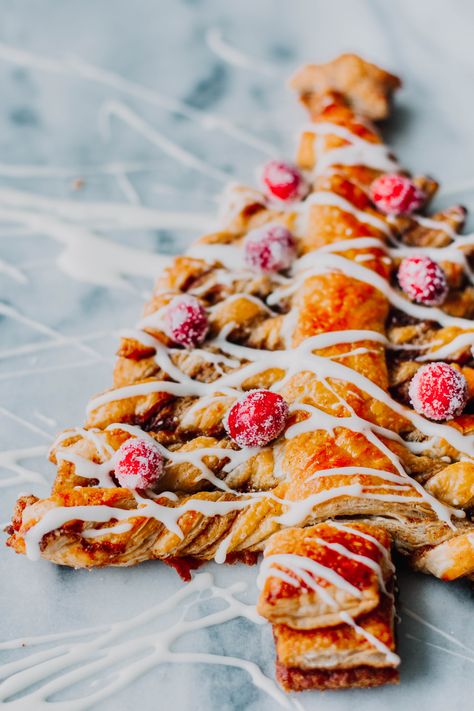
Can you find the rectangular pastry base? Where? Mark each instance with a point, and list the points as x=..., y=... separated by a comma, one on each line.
x=293, y=679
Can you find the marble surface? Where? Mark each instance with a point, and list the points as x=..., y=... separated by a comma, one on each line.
x=58, y=334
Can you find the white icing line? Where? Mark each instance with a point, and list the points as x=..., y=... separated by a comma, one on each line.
x=133, y=120
x=332, y=200
x=10, y=460
x=358, y=152
x=390, y=656
x=459, y=342
x=300, y=358
x=236, y=57
x=314, y=264
x=415, y=616
x=299, y=566
x=68, y=663
x=76, y=66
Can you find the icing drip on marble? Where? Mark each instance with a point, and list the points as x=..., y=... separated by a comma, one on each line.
x=36, y=678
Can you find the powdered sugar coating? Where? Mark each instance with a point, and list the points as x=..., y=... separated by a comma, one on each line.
x=396, y=194
x=139, y=464
x=438, y=391
x=423, y=280
x=283, y=181
x=186, y=321
x=257, y=418
x=271, y=248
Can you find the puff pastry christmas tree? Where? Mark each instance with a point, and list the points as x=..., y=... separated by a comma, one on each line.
x=308, y=364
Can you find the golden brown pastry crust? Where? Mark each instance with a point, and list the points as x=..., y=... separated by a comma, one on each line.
x=341, y=646
x=336, y=639
x=300, y=607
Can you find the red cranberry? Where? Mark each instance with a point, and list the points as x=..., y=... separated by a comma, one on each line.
x=258, y=418
x=283, y=181
x=269, y=249
x=423, y=280
x=438, y=391
x=396, y=194
x=139, y=464
x=186, y=320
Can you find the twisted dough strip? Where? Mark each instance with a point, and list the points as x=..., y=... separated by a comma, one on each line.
x=326, y=302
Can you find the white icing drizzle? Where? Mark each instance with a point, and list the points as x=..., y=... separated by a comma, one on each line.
x=294, y=563
x=102, y=472
x=390, y=656
x=342, y=526
x=462, y=341
x=223, y=548
x=365, y=560
x=132, y=119
x=321, y=420
x=330, y=199
x=11, y=460
x=415, y=616
x=40, y=675
x=111, y=260
x=358, y=152
x=76, y=66
x=293, y=361
x=435, y=225
x=299, y=566
x=100, y=215
x=237, y=297
x=228, y=255
x=439, y=647
x=168, y=516
x=12, y=272
x=314, y=263
x=51, y=333
x=116, y=530
x=236, y=57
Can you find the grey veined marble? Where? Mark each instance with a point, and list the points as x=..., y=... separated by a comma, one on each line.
x=91, y=117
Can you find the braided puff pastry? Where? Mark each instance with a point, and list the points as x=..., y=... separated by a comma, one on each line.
x=328, y=588
x=327, y=329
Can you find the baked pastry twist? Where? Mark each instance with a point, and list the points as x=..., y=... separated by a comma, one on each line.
x=330, y=333
x=328, y=591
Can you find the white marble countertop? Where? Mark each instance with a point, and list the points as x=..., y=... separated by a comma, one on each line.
x=93, y=91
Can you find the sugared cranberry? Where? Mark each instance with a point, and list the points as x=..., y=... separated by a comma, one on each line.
x=283, y=181
x=186, y=321
x=438, y=391
x=423, y=280
x=396, y=194
x=257, y=418
x=269, y=249
x=139, y=464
